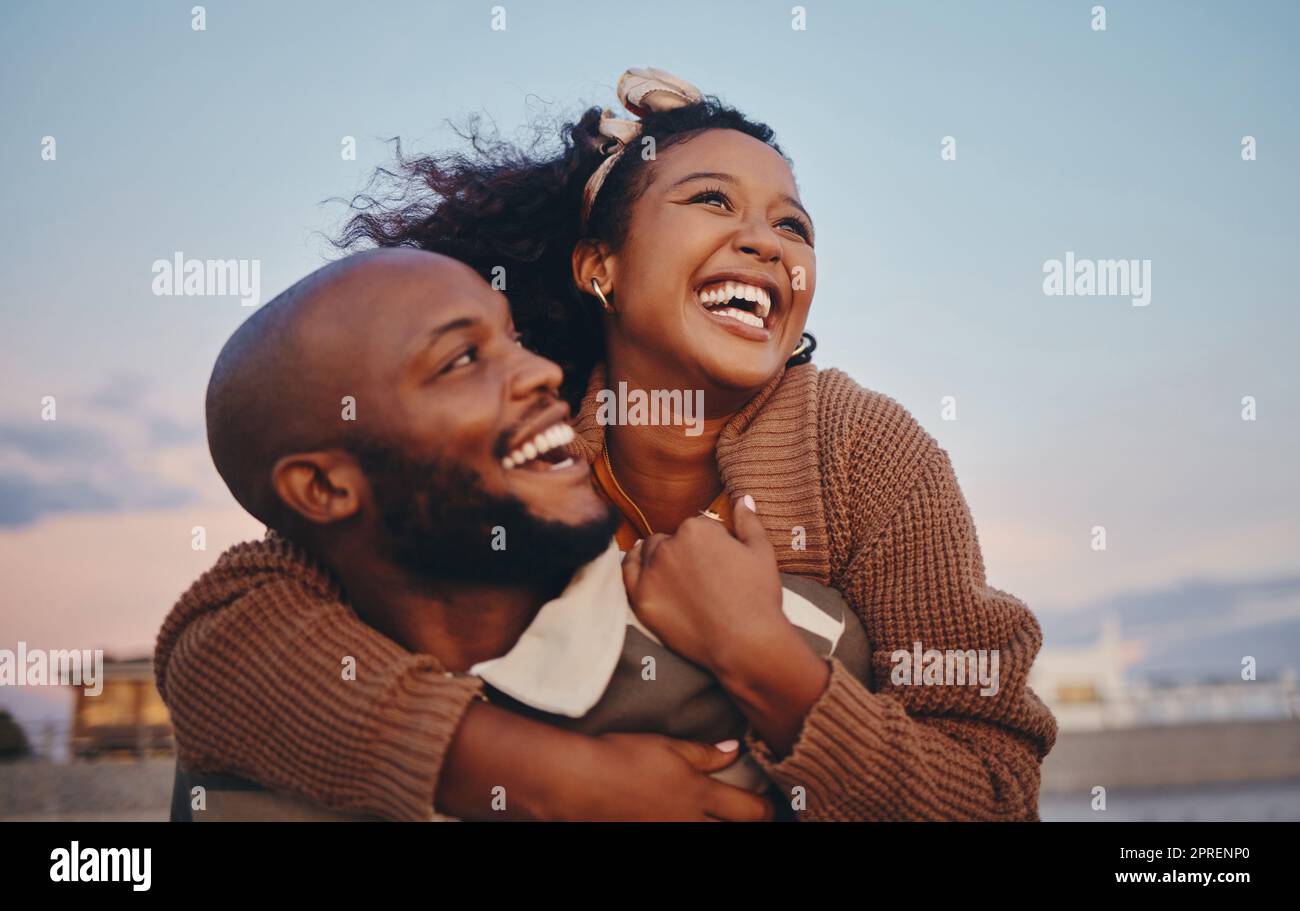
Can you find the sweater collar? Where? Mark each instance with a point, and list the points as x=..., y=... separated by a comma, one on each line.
x=591, y=433
x=768, y=450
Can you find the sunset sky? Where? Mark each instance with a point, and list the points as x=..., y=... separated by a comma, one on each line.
x=1072, y=412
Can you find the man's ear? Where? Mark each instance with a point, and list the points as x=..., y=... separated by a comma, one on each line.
x=592, y=259
x=322, y=487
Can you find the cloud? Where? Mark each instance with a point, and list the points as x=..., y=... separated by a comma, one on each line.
x=1196, y=629
x=111, y=450
x=122, y=391
x=23, y=501
x=1050, y=564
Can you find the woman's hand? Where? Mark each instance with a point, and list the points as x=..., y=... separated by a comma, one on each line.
x=547, y=773
x=706, y=595
x=716, y=600
x=649, y=777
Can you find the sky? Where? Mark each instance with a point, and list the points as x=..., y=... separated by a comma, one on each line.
x=1071, y=412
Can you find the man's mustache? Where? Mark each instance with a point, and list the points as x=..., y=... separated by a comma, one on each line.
x=502, y=447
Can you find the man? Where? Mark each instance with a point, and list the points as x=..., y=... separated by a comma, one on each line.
x=382, y=419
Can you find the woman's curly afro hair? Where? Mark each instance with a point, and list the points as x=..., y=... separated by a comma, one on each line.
x=499, y=205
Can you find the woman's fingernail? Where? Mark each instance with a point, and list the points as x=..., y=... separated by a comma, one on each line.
x=749, y=501
x=728, y=746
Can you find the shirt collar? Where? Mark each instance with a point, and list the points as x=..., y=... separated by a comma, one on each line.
x=564, y=660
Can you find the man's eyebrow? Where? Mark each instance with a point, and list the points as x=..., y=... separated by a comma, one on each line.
x=460, y=322
x=727, y=178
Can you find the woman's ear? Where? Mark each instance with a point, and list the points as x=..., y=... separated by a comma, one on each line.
x=592, y=259
x=321, y=487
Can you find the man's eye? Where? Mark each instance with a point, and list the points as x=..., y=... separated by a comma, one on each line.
x=464, y=360
x=518, y=339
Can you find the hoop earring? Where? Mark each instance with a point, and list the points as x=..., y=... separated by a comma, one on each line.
x=595, y=285
x=804, y=352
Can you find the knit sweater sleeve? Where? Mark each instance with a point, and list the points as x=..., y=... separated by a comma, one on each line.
x=270, y=676
x=914, y=573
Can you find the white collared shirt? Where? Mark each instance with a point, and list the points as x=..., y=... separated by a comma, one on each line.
x=565, y=659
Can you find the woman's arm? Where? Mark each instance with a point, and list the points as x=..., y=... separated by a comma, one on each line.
x=547, y=773
x=268, y=675
x=924, y=752
x=902, y=752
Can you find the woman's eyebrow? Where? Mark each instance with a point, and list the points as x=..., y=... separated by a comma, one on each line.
x=798, y=205
x=727, y=178
x=705, y=175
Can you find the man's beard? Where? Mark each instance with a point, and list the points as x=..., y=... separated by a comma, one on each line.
x=442, y=523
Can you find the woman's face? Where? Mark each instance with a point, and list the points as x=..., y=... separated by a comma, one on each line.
x=719, y=220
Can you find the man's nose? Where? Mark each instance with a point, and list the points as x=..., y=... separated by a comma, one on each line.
x=534, y=373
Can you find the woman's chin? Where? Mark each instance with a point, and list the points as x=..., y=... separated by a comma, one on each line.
x=747, y=372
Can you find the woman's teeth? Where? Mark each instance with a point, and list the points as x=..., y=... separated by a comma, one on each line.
x=722, y=292
x=748, y=319
x=558, y=434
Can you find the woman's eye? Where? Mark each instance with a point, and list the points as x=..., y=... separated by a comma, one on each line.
x=797, y=226
x=711, y=196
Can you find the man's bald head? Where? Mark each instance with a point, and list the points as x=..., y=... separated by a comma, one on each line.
x=278, y=385
x=453, y=438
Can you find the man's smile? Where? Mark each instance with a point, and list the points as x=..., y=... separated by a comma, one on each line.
x=543, y=451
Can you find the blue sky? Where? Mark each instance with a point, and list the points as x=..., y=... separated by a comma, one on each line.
x=1072, y=412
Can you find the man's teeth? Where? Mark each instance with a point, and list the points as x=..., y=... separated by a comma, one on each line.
x=721, y=292
x=556, y=435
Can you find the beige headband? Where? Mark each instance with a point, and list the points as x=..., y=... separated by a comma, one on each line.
x=640, y=90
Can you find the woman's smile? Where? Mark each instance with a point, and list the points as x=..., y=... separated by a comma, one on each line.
x=718, y=231
x=743, y=302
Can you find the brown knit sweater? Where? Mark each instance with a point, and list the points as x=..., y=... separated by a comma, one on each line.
x=250, y=659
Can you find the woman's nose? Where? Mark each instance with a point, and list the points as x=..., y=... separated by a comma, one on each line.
x=757, y=238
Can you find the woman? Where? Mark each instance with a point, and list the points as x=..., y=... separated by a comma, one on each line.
x=672, y=253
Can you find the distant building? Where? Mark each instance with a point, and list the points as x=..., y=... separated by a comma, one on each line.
x=127, y=717
x=1087, y=688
